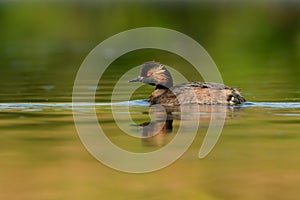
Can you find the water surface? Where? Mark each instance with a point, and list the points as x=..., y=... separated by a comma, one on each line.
x=256, y=48
x=257, y=154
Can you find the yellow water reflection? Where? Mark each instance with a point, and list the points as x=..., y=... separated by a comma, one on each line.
x=257, y=157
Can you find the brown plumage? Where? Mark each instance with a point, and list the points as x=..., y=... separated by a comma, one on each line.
x=166, y=94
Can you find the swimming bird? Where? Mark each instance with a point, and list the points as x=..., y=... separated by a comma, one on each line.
x=202, y=93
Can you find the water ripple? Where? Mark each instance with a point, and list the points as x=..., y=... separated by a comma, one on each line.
x=143, y=103
x=271, y=104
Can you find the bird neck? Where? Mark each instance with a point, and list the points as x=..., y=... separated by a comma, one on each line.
x=161, y=87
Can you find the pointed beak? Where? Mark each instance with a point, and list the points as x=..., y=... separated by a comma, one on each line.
x=138, y=79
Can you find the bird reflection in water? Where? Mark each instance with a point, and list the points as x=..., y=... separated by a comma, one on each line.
x=160, y=132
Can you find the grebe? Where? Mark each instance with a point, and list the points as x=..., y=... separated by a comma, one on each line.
x=203, y=93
